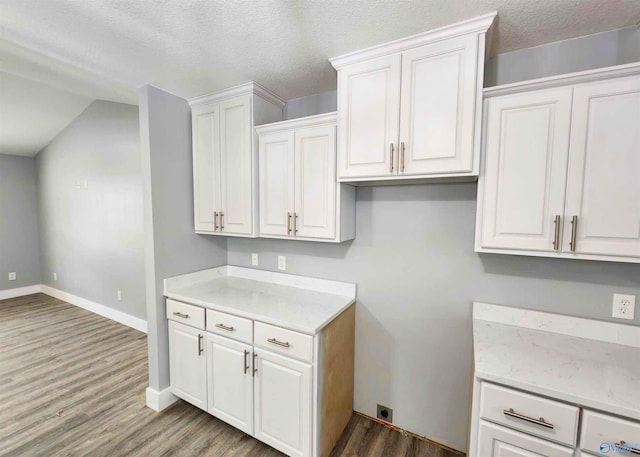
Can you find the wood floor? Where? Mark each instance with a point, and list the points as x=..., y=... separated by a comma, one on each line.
x=72, y=383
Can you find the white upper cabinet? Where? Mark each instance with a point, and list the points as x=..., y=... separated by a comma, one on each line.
x=411, y=108
x=225, y=157
x=561, y=166
x=299, y=195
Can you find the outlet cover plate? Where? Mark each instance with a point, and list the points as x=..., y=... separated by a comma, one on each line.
x=385, y=413
x=282, y=263
x=624, y=306
x=254, y=259
x=12, y=276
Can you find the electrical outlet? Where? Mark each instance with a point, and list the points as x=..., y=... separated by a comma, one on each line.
x=254, y=259
x=119, y=295
x=282, y=262
x=624, y=306
x=384, y=413
x=12, y=276
x=55, y=276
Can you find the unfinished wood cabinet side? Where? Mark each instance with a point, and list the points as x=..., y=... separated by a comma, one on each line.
x=337, y=346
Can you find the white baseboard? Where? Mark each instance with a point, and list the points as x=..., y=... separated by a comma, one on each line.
x=105, y=311
x=20, y=291
x=160, y=400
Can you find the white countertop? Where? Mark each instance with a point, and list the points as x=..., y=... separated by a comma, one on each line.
x=295, y=302
x=585, y=362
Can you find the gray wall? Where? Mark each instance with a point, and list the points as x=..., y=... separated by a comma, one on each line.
x=417, y=273
x=171, y=245
x=19, y=242
x=92, y=236
x=313, y=104
x=606, y=49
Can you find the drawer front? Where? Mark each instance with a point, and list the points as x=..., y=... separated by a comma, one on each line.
x=230, y=326
x=523, y=411
x=284, y=341
x=185, y=314
x=601, y=435
x=497, y=441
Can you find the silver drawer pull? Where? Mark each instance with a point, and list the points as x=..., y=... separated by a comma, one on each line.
x=279, y=343
x=224, y=327
x=624, y=447
x=184, y=316
x=510, y=412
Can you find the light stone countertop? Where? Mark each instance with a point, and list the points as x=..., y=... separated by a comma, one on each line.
x=298, y=303
x=596, y=365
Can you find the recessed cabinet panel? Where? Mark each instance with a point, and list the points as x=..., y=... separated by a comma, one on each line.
x=230, y=382
x=206, y=167
x=315, y=188
x=187, y=362
x=603, y=187
x=527, y=145
x=276, y=183
x=368, y=111
x=438, y=107
x=235, y=162
x=283, y=403
x=497, y=441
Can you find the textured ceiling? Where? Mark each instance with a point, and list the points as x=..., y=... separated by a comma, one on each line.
x=107, y=48
x=32, y=114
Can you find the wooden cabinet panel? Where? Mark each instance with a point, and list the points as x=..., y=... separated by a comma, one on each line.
x=497, y=441
x=206, y=168
x=187, y=362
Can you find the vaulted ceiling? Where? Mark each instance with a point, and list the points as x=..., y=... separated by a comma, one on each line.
x=107, y=48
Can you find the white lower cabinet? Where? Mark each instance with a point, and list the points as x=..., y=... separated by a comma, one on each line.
x=229, y=382
x=283, y=409
x=187, y=364
x=497, y=441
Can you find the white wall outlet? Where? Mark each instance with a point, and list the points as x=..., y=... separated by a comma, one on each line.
x=119, y=295
x=12, y=276
x=624, y=306
x=254, y=259
x=282, y=262
x=55, y=276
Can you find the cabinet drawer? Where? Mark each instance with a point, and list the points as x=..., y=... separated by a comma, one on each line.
x=525, y=412
x=600, y=431
x=497, y=441
x=284, y=341
x=186, y=314
x=230, y=326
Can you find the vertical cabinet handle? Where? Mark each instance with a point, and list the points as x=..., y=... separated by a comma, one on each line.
x=402, y=157
x=556, y=234
x=391, y=157
x=295, y=223
x=288, y=223
x=255, y=370
x=246, y=362
x=221, y=221
x=200, y=348
x=574, y=233
x=215, y=220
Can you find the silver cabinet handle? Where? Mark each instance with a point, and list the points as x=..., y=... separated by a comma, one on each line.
x=200, y=347
x=215, y=220
x=224, y=327
x=246, y=362
x=255, y=370
x=288, y=223
x=184, y=316
x=556, y=235
x=574, y=233
x=402, y=157
x=221, y=221
x=279, y=343
x=511, y=413
x=295, y=223
x=624, y=447
x=391, y=157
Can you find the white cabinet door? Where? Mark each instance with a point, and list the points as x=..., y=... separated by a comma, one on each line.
x=206, y=167
x=525, y=167
x=497, y=441
x=188, y=364
x=315, y=178
x=276, y=183
x=603, y=188
x=438, y=107
x=283, y=403
x=368, y=114
x=230, y=382
x=236, y=167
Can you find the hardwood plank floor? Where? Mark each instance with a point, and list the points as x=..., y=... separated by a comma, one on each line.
x=72, y=383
